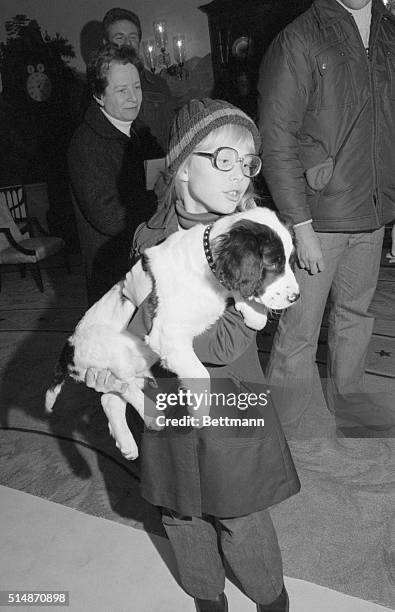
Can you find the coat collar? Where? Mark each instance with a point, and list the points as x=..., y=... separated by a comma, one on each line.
x=164, y=219
x=99, y=123
x=329, y=12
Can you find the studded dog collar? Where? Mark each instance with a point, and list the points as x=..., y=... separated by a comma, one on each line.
x=207, y=251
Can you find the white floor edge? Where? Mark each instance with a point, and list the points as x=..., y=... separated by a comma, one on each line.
x=109, y=567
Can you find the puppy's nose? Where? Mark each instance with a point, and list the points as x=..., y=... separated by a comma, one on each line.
x=293, y=297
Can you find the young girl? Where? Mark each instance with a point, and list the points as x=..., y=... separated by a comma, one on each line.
x=214, y=484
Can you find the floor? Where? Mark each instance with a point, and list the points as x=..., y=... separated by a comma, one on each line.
x=107, y=566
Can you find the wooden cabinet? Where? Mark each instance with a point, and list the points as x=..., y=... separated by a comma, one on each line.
x=240, y=32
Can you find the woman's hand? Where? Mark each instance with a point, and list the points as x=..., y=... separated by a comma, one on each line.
x=104, y=381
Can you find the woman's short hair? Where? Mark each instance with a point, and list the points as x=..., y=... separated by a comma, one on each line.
x=101, y=60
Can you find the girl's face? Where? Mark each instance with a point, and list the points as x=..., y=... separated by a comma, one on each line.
x=203, y=187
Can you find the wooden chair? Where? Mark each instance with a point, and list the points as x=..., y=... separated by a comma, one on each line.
x=15, y=198
x=16, y=249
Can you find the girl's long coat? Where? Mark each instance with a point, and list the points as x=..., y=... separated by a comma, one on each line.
x=222, y=471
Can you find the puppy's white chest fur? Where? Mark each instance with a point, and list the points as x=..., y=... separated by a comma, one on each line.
x=189, y=299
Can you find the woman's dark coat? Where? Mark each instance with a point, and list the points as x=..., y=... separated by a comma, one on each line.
x=110, y=200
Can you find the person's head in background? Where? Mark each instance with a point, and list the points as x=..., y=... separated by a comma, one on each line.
x=113, y=75
x=218, y=181
x=122, y=27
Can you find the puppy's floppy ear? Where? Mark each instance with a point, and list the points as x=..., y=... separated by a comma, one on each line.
x=245, y=255
x=289, y=226
x=238, y=258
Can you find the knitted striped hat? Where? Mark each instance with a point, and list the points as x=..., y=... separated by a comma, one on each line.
x=196, y=120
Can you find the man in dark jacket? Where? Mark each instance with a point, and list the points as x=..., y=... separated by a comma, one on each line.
x=106, y=164
x=327, y=120
x=123, y=27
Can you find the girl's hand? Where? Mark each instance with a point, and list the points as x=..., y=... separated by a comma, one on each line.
x=104, y=381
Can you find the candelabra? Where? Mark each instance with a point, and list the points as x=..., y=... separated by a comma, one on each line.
x=156, y=53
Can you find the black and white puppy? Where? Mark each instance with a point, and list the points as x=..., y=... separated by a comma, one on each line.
x=246, y=256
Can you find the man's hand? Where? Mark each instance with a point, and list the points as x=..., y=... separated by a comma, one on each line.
x=308, y=249
x=104, y=381
x=391, y=253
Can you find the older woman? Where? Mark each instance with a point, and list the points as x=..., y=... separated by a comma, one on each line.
x=106, y=164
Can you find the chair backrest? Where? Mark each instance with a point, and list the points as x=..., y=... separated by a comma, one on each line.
x=6, y=220
x=15, y=198
x=37, y=202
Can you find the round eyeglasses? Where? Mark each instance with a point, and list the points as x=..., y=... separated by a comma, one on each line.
x=225, y=159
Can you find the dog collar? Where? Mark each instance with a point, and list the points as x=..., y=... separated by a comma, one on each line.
x=207, y=251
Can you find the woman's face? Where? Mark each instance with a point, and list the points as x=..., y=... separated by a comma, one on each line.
x=204, y=188
x=122, y=96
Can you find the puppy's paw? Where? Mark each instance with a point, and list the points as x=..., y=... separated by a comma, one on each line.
x=256, y=323
x=125, y=443
x=254, y=315
x=50, y=398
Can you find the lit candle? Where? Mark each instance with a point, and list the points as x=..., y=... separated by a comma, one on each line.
x=179, y=48
x=160, y=34
x=149, y=54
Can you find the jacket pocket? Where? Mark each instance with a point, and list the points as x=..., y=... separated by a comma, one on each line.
x=335, y=84
x=318, y=176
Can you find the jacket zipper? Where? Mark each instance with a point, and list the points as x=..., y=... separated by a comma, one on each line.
x=369, y=54
x=374, y=139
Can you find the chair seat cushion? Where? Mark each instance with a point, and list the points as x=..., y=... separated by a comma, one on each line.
x=44, y=246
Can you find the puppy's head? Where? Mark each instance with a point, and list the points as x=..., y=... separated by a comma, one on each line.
x=255, y=260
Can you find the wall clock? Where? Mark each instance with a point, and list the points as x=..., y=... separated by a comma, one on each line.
x=241, y=47
x=240, y=32
x=38, y=83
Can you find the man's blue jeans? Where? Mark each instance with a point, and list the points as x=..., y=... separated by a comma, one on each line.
x=247, y=543
x=352, y=263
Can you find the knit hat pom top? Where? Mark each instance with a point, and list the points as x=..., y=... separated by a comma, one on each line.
x=196, y=120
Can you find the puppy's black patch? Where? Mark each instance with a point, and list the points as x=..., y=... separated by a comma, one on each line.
x=153, y=297
x=287, y=223
x=64, y=365
x=66, y=360
x=248, y=256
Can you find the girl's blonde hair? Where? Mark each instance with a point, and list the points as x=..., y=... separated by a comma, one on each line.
x=239, y=135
